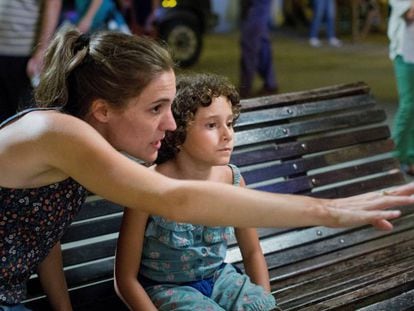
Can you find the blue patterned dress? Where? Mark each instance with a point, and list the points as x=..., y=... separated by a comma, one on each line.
x=182, y=268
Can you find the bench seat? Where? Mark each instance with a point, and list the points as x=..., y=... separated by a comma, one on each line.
x=328, y=142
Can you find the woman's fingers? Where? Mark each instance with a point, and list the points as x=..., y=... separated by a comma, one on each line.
x=382, y=224
x=375, y=201
x=379, y=219
x=405, y=190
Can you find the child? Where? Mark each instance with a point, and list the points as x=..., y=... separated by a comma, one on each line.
x=181, y=266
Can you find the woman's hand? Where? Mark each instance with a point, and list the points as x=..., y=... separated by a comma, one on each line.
x=368, y=207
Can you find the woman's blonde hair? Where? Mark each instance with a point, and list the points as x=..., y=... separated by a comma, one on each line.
x=112, y=66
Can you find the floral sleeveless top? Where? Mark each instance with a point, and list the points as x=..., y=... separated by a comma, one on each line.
x=32, y=221
x=182, y=252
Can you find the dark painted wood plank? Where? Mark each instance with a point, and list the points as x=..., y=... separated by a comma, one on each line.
x=258, y=117
x=95, y=207
x=325, y=160
x=88, y=252
x=274, y=152
x=93, y=228
x=348, y=174
x=325, y=124
x=402, y=302
x=381, y=182
x=350, y=281
x=287, y=261
x=334, y=91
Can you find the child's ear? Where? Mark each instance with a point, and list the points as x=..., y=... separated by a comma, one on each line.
x=100, y=110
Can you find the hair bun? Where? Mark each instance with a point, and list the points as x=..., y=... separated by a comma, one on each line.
x=82, y=42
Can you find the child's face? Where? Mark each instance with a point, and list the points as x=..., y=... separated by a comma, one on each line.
x=209, y=136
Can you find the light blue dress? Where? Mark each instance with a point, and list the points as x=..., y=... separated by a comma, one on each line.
x=182, y=268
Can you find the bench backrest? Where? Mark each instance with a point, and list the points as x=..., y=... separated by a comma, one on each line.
x=329, y=142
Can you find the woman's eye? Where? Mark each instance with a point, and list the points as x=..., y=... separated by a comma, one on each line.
x=156, y=109
x=230, y=124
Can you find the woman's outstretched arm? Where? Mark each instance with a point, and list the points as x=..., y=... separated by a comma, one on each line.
x=65, y=146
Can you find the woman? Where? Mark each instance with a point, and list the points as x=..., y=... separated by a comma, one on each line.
x=98, y=98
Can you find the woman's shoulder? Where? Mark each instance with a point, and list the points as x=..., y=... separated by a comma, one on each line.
x=40, y=121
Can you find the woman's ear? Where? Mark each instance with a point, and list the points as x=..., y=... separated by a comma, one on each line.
x=100, y=110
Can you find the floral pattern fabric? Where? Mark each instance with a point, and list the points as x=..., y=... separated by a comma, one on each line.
x=183, y=252
x=32, y=221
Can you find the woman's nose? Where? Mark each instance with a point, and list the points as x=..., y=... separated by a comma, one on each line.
x=168, y=123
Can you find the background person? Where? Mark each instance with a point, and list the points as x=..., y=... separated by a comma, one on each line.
x=26, y=27
x=401, y=35
x=323, y=10
x=256, y=48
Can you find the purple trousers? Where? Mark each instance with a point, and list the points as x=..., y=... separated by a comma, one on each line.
x=256, y=49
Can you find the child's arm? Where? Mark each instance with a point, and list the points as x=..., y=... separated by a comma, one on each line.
x=253, y=259
x=53, y=280
x=128, y=260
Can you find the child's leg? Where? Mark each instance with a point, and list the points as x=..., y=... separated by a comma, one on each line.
x=235, y=291
x=180, y=298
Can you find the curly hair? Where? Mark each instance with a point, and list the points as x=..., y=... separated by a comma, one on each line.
x=195, y=91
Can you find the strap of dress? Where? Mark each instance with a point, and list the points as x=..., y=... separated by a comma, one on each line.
x=236, y=174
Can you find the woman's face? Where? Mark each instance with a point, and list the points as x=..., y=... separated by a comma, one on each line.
x=139, y=128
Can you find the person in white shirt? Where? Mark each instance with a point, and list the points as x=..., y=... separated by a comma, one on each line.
x=401, y=35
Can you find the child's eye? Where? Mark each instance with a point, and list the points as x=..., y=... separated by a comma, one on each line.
x=211, y=125
x=230, y=124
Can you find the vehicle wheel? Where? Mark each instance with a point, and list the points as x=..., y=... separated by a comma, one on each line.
x=184, y=39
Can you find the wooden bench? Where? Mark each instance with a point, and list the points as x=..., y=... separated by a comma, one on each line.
x=328, y=142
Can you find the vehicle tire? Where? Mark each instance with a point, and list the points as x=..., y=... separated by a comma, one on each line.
x=184, y=39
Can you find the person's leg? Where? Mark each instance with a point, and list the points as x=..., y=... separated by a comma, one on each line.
x=318, y=12
x=180, y=298
x=403, y=128
x=330, y=9
x=15, y=88
x=265, y=66
x=250, y=46
x=234, y=291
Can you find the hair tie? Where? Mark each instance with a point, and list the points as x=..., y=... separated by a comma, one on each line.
x=81, y=42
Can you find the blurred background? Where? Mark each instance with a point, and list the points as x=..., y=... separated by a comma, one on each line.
x=362, y=57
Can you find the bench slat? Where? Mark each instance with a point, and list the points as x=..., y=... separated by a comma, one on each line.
x=93, y=228
x=335, y=285
x=307, y=109
x=403, y=302
x=372, y=184
x=89, y=252
x=313, y=126
x=326, y=160
x=274, y=152
x=317, y=245
x=335, y=91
